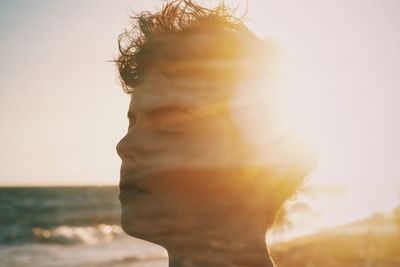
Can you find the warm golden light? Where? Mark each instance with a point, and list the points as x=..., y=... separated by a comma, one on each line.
x=333, y=96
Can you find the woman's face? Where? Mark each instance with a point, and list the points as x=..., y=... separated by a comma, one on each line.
x=181, y=164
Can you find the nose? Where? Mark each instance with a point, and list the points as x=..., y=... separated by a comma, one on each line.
x=122, y=148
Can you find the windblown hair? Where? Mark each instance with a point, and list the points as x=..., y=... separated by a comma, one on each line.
x=188, y=41
x=183, y=31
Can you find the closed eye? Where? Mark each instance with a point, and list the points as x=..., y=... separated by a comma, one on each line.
x=168, y=119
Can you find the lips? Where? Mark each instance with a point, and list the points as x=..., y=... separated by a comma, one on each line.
x=127, y=194
x=130, y=188
x=129, y=183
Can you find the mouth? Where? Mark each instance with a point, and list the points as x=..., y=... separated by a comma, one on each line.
x=129, y=186
x=129, y=194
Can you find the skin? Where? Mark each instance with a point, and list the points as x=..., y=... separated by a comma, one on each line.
x=182, y=182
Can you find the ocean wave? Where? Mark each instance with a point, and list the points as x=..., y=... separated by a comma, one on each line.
x=77, y=234
x=46, y=209
x=135, y=259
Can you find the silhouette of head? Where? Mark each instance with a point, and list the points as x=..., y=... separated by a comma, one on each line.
x=193, y=177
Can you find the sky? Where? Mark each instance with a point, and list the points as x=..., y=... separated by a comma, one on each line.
x=62, y=110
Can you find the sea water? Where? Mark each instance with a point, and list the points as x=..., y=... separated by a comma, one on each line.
x=76, y=226
x=80, y=226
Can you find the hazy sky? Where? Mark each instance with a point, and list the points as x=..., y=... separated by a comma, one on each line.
x=62, y=110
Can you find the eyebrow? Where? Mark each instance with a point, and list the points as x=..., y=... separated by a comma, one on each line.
x=166, y=110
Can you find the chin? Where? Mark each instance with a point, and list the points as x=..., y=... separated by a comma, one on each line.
x=138, y=226
x=131, y=225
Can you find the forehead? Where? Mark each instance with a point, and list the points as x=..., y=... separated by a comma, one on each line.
x=157, y=92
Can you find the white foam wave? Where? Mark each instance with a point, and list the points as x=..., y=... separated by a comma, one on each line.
x=78, y=234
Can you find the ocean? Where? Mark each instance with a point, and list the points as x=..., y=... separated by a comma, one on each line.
x=80, y=226
x=69, y=226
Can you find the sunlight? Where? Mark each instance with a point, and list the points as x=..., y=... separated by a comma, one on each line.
x=320, y=115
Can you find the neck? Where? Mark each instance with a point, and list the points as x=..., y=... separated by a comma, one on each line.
x=212, y=251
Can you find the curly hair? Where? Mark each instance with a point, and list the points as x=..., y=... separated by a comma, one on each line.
x=183, y=32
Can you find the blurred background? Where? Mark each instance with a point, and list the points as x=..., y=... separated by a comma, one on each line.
x=62, y=111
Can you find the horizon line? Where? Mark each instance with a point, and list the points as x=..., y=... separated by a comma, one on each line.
x=58, y=186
